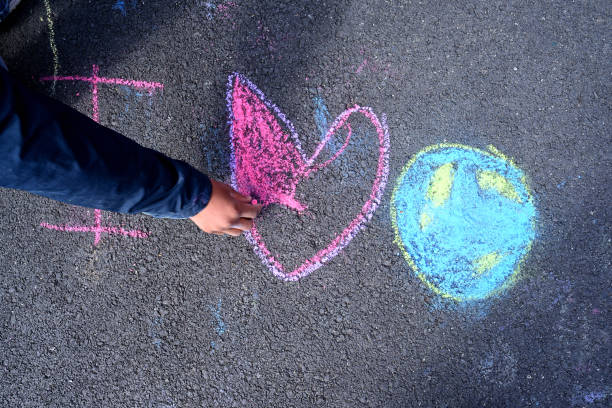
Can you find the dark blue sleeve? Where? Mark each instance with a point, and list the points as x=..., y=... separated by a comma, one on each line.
x=50, y=149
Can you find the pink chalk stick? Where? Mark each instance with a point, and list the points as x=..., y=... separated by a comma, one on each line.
x=268, y=162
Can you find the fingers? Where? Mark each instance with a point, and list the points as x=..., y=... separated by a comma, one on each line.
x=237, y=196
x=228, y=212
x=243, y=224
x=237, y=228
x=249, y=210
x=234, y=232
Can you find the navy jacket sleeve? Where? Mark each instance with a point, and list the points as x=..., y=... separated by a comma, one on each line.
x=50, y=149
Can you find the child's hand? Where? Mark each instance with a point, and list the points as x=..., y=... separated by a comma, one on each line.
x=227, y=212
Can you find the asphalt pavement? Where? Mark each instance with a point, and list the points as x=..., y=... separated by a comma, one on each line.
x=477, y=276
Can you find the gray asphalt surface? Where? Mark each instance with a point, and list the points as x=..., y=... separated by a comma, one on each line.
x=183, y=319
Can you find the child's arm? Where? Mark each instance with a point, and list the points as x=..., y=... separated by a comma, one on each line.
x=50, y=149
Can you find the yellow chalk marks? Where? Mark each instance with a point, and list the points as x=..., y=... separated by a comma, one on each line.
x=426, y=219
x=486, y=262
x=493, y=180
x=52, y=44
x=438, y=192
x=441, y=183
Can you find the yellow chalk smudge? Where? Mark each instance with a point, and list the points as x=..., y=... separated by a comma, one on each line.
x=486, y=262
x=493, y=180
x=426, y=219
x=441, y=183
x=52, y=44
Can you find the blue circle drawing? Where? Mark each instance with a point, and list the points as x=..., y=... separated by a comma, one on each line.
x=464, y=219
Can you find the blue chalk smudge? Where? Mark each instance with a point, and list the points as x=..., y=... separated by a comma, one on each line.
x=128, y=92
x=471, y=223
x=210, y=7
x=154, y=330
x=321, y=115
x=211, y=144
x=361, y=140
x=120, y=5
x=209, y=161
x=591, y=397
x=220, y=329
x=322, y=119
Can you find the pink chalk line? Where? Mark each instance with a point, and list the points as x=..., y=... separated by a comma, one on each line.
x=362, y=66
x=268, y=163
x=98, y=229
x=94, y=80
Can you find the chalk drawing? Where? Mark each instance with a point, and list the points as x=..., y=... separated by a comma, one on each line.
x=220, y=329
x=359, y=139
x=264, y=38
x=94, y=80
x=224, y=8
x=268, y=163
x=322, y=119
x=361, y=66
x=464, y=219
x=155, y=330
x=500, y=366
x=221, y=9
x=210, y=8
x=580, y=397
x=52, y=44
x=208, y=151
x=165, y=401
x=143, y=102
x=120, y=5
x=98, y=229
x=593, y=396
x=322, y=116
x=215, y=148
x=374, y=64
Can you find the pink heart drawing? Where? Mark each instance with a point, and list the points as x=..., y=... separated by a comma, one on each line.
x=269, y=163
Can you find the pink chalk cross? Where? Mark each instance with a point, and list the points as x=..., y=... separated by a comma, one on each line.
x=94, y=80
x=98, y=229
